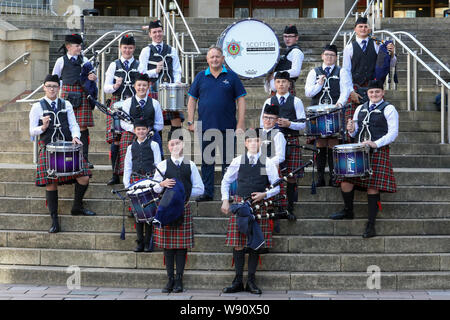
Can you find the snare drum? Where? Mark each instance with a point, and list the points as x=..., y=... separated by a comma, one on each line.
x=352, y=160
x=64, y=159
x=326, y=124
x=250, y=47
x=140, y=194
x=172, y=96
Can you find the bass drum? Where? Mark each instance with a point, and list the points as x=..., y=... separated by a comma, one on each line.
x=250, y=47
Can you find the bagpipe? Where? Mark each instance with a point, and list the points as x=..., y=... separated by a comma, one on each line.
x=247, y=203
x=115, y=111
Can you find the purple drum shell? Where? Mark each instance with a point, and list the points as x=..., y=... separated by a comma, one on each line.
x=325, y=125
x=65, y=162
x=351, y=163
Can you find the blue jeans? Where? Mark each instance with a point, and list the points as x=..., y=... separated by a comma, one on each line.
x=208, y=157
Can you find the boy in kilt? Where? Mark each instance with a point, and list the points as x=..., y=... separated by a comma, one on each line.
x=141, y=158
x=44, y=127
x=140, y=106
x=69, y=68
x=119, y=81
x=151, y=63
x=176, y=240
x=254, y=173
x=375, y=123
x=290, y=109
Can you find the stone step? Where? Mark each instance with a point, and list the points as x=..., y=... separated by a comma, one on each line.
x=208, y=225
x=221, y=261
x=112, y=277
x=216, y=243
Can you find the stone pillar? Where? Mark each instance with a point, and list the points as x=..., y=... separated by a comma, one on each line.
x=336, y=8
x=20, y=77
x=204, y=8
x=70, y=7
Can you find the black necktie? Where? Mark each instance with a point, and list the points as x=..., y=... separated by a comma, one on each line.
x=54, y=106
x=73, y=59
x=282, y=101
x=125, y=64
x=364, y=47
x=327, y=71
x=372, y=107
x=158, y=47
x=142, y=103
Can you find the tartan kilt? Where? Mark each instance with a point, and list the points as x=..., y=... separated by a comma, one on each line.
x=282, y=203
x=170, y=115
x=181, y=237
x=236, y=239
x=111, y=137
x=41, y=170
x=293, y=157
x=83, y=113
x=382, y=177
x=126, y=139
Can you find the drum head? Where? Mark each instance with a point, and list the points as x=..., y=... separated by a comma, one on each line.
x=142, y=182
x=250, y=47
x=350, y=147
x=61, y=146
x=321, y=108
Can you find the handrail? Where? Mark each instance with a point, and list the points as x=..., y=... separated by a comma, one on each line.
x=365, y=13
x=343, y=22
x=22, y=56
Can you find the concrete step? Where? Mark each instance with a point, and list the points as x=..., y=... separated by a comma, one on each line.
x=112, y=277
x=216, y=243
x=221, y=261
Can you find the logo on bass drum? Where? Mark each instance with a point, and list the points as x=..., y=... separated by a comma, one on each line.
x=234, y=48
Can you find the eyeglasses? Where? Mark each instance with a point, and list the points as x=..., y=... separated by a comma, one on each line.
x=52, y=87
x=288, y=36
x=329, y=55
x=269, y=118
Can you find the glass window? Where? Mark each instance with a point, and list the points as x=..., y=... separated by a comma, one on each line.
x=309, y=12
x=439, y=12
x=241, y=12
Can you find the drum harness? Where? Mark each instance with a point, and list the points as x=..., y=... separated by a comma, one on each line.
x=127, y=85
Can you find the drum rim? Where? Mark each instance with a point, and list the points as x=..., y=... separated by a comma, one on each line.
x=347, y=147
x=134, y=192
x=173, y=85
x=219, y=43
x=67, y=146
x=318, y=105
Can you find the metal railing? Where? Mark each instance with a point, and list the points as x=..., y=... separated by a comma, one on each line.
x=22, y=56
x=25, y=8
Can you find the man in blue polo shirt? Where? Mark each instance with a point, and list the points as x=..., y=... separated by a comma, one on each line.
x=217, y=90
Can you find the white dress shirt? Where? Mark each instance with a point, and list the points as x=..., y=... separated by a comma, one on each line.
x=59, y=65
x=312, y=86
x=36, y=113
x=109, y=75
x=296, y=56
x=197, y=184
x=391, y=115
x=159, y=121
x=232, y=174
x=143, y=63
x=280, y=147
x=299, y=111
x=348, y=54
x=128, y=163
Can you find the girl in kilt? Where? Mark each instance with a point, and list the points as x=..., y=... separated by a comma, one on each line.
x=176, y=240
x=42, y=124
x=69, y=68
x=119, y=81
x=375, y=123
x=253, y=174
x=290, y=109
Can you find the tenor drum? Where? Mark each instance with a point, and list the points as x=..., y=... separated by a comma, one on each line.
x=352, y=160
x=250, y=47
x=116, y=121
x=64, y=159
x=140, y=194
x=326, y=124
x=172, y=96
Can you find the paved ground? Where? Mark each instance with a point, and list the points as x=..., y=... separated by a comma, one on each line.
x=43, y=292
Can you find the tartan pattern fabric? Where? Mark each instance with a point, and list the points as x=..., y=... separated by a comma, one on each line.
x=236, y=239
x=125, y=140
x=181, y=237
x=282, y=203
x=293, y=157
x=382, y=178
x=41, y=170
x=83, y=113
x=111, y=137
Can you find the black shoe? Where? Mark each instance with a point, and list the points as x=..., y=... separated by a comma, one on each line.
x=370, y=231
x=148, y=248
x=204, y=198
x=251, y=287
x=82, y=212
x=320, y=183
x=169, y=286
x=235, y=287
x=342, y=215
x=139, y=248
x=332, y=182
x=55, y=225
x=90, y=165
x=178, y=285
x=114, y=180
x=291, y=216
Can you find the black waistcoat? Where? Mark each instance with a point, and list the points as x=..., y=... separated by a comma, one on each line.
x=63, y=120
x=287, y=111
x=250, y=178
x=334, y=91
x=363, y=63
x=143, y=161
x=148, y=114
x=181, y=173
x=284, y=63
x=378, y=125
x=71, y=71
x=128, y=76
x=166, y=49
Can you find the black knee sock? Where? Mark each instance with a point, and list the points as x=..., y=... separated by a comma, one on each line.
x=114, y=155
x=79, y=192
x=180, y=261
x=291, y=195
x=169, y=255
x=253, y=258
x=139, y=233
x=321, y=161
x=372, y=200
x=239, y=260
x=330, y=161
x=52, y=202
x=85, y=140
x=348, y=200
